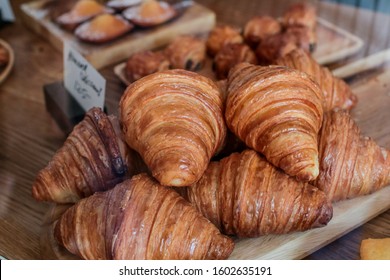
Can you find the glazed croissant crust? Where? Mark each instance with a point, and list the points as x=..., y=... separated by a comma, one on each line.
x=278, y=112
x=139, y=219
x=174, y=120
x=93, y=158
x=244, y=195
x=337, y=93
x=350, y=165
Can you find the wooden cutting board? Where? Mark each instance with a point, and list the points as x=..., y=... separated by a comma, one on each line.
x=195, y=19
x=372, y=114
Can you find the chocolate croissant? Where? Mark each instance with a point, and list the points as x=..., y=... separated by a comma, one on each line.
x=139, y=219
x=350, y=165
x=174, y=120
x=186, y=52
x=336, y=92
x=93, y=158
x=244, y=195
x=278, y=112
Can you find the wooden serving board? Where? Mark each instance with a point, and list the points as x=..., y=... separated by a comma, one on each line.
x=372, y=114
x=195, y=19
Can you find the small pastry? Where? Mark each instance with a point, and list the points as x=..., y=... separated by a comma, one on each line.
x=306, y=38
x=229, y=56
x=275, y=46
x=303, y=14
x=220, y=36
x=4, y=56
x=186, y=52
x=150, y=13
x=302, y=17
x=103, y=28
x=82, y=11
x=144, y=63
x=260, y=27
x=120, y=5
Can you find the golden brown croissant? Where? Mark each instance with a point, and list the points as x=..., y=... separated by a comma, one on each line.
x=244, y=195
x=93, y=158
x=278, y=112
x=186, y=52
x=174, y=120
x=139, y=219
x=229, y=56
x=350, y=165
x=260, y=27
x=220, y=36
x=336, y=92
x=145, y=63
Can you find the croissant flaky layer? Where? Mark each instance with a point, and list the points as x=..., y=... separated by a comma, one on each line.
x=174, y=120
x=278, y=112
x=244, y=195
x=351, y=165
x=337, y=94
x=140, y=219
x=93, y=158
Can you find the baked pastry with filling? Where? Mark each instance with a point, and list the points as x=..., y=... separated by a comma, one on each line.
x=186, y=52
x=220, y=36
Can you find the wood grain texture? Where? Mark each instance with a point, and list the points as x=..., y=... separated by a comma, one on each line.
x=29, y=137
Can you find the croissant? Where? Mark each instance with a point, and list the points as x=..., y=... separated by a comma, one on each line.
x=336, y=92
x=139, y=219
x=350, y=165
x=93, y=158
x=246, y=196
x=174, y=120
x=277, y=111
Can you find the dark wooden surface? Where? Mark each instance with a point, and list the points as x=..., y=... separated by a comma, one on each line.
x=29, y=136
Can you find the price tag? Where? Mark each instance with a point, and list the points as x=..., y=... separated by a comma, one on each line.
x=82, y=80
x=6, y=11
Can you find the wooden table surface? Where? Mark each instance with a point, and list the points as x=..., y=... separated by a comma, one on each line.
x=29, y=137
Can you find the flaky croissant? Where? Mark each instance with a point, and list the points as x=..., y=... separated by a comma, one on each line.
x=336, y=92
x=244, y=195
x=278, y=112
x=174, y=120
x=93, y=158
x=139, y=219
x=350, y=165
